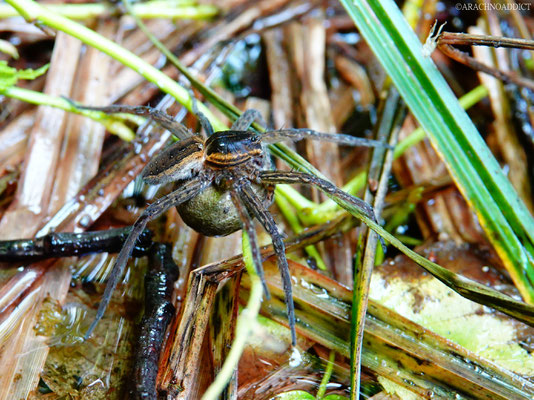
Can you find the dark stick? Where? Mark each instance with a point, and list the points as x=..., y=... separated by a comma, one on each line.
x=159, y=283
x=65, y=244
x=471, y=62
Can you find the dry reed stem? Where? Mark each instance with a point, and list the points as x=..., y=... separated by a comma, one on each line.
x=357, y=77
x=308, y=43
x=84, y=137
x=279, y=78
x=126, y=81
x=25, y=214
x=77, y=162
x=24, y=217
x=27, y=33
x=13, y=141
x=437, y=215
x=185, y=373
x=343, y=104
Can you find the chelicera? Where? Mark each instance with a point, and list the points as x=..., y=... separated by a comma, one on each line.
x=221, y=184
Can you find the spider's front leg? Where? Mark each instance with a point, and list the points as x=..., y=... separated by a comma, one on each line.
x=158, y=116
x=246, y=119
x=187, y=191
x=278, y=177
x=296, y=134
x=255, y=206
x=204, y=121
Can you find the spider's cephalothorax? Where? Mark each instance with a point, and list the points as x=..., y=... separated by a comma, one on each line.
x=221, y=184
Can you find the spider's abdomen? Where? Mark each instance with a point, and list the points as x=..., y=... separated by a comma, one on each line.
x=212, y=212
x=177, y=162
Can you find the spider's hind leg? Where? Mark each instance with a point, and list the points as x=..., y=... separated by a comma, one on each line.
x=277, y=177
x=255, y=206
x=248, y=118
x=253, y=239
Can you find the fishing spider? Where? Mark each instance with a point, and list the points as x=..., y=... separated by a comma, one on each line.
x=221, y=183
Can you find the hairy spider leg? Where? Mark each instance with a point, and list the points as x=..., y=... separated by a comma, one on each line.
x=246, y=119
x=297, y=134
x=187, y=191
x=255, y=206
x=162, y=118
x=204, y=121
x=278, y=177
x=253, y=239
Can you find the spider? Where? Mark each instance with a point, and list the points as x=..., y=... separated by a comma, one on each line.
x=221, y=183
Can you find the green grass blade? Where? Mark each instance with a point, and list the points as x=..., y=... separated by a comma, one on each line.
x=505, y=219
